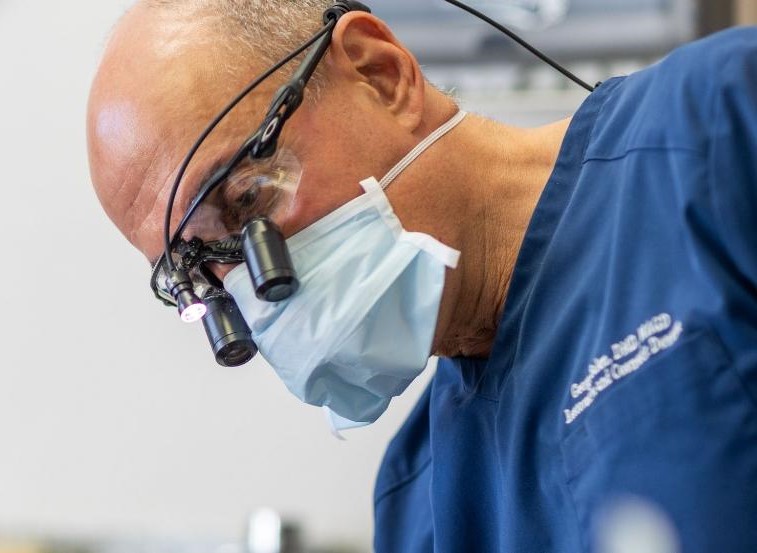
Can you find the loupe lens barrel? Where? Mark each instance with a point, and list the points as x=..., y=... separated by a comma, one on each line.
x=267, y=257
x=228, y=332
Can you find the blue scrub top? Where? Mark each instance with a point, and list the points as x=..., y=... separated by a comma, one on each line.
x=625, y=365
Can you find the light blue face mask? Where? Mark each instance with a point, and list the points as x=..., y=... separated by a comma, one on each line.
x=360, y=328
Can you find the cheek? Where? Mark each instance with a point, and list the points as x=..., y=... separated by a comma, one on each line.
x=319, y=194
x=221, y=270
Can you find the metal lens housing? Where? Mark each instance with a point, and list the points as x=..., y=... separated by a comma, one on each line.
x=228, y=333
x=268, y=260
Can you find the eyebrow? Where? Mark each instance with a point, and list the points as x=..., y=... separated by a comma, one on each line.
x=212, y=170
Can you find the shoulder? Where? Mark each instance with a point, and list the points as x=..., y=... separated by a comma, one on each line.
x=705, y=66
x=708, y=68
x=671, y=104
x=715, y=52
x=733, y=66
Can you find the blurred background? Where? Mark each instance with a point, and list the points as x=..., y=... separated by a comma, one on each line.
x=118, y=432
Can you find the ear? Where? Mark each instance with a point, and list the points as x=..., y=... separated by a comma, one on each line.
x=365, y=53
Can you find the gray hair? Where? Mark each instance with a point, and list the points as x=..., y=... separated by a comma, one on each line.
x=260, y=30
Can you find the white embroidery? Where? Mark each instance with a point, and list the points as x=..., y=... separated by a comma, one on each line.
x=627, y=356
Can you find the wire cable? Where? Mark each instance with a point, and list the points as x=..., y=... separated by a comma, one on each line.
x=543, y=57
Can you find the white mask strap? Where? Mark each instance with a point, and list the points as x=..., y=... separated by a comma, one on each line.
x=424, y=145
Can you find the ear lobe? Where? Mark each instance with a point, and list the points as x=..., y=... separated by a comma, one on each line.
x=365, y=52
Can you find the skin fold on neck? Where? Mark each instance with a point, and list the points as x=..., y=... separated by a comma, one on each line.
x=480, y=186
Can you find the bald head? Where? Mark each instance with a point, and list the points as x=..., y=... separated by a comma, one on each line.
x=163, y=76
x=267, y=29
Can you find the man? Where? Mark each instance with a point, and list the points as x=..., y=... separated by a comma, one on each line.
x=598, y=328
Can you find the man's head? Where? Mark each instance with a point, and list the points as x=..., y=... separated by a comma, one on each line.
x=171, y=66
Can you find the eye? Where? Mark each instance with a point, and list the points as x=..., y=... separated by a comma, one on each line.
x=246, y=196
x=249, y=196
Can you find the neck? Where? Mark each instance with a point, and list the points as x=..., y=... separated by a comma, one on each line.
x=498, y=173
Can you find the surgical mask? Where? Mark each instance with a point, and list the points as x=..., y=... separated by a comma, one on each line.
x=361, y=326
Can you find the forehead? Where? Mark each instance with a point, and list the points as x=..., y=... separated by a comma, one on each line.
x=156, y=89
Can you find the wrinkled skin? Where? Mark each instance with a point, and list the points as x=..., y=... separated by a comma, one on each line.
x=163, y=78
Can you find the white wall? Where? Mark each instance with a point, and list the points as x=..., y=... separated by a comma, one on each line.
x=114, y=417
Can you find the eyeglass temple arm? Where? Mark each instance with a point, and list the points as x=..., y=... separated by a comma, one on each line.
x=287, y=100
x=289, y=97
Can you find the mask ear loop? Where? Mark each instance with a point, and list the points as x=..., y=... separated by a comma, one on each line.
x=424, y=145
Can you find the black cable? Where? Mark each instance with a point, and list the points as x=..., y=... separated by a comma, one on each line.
x=543, y=57
x=209, y=129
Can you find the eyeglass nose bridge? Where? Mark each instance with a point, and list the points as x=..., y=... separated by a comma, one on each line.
x=188, y=263
x=261, y=246
x=196, y=252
